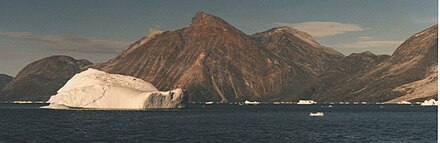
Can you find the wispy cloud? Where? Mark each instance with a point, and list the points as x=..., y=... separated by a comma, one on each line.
x=71, y=44
x=324, y=28
x=368, y=42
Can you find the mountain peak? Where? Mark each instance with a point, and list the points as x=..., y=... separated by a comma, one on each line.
x=202, y=18
x=369, y=53
x=295, y=33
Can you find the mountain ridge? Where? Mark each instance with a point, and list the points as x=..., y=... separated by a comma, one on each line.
x=219, y=63
x=215, y=61
x=41, y=79
x=387, y=80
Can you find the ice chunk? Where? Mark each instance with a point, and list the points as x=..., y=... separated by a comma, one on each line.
x=97, y=89
x=430, y=102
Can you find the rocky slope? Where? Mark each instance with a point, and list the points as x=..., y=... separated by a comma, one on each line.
x=410, y=73
x=345, y=70
x=299, y=47
x=214, y=61
x=41, y=79
x=4, y=79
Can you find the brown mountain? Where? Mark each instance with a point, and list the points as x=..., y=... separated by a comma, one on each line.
x=41, y=79
x=409, y=74
x=215, y=61
x=4, y=79
x=299, y=47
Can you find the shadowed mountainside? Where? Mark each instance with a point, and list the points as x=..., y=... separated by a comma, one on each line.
x=41, y=79
x=408, y=74
x=4, y=79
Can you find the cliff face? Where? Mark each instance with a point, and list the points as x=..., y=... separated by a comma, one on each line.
x=411, y=69
x=41, y=79
x=214, y=61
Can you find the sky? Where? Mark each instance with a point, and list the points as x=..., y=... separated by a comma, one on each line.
x=98, y=30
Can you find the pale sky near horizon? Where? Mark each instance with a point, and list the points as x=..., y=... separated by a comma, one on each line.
x=99, y=30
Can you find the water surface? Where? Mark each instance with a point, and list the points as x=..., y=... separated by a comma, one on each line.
x=221, y=123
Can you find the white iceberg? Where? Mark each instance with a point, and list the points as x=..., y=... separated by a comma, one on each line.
x=431, y=102
x=317, y=114
x=251, y=102
x=26, y=102
x=306, y=102
x=209, y=103
x=100, y=90
x=404, y=102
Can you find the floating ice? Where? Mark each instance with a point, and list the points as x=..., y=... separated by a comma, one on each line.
x=306, y=102
x=100, y=90
x=430, y=102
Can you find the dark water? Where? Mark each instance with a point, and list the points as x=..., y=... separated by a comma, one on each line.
x=221, y=123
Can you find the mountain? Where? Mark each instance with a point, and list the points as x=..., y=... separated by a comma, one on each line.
x=215, y=61
x=409, y=74
x=41, y=79
x=351, y=65
x=299, y=47
x=4, y=79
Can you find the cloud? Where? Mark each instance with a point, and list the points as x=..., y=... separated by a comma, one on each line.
x=324, y=28
x=71, y=44
x=368, y=42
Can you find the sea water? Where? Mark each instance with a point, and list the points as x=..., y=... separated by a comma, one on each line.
x=221, y=123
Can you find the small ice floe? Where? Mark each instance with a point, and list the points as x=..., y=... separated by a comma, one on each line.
x=328, y=106
x=26, y=102
x=251, y=102
x=404, y=102
x=317, y=114
x=209, y=103
x=306, y=102
x=431, y=102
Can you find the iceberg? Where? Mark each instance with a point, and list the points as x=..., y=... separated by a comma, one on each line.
x=25, y=102
x=317, y=114
x=209, y=103
x=100, y=90
x=404, y=102
x=306, y=102
x=430, y=102
x=251, y=102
